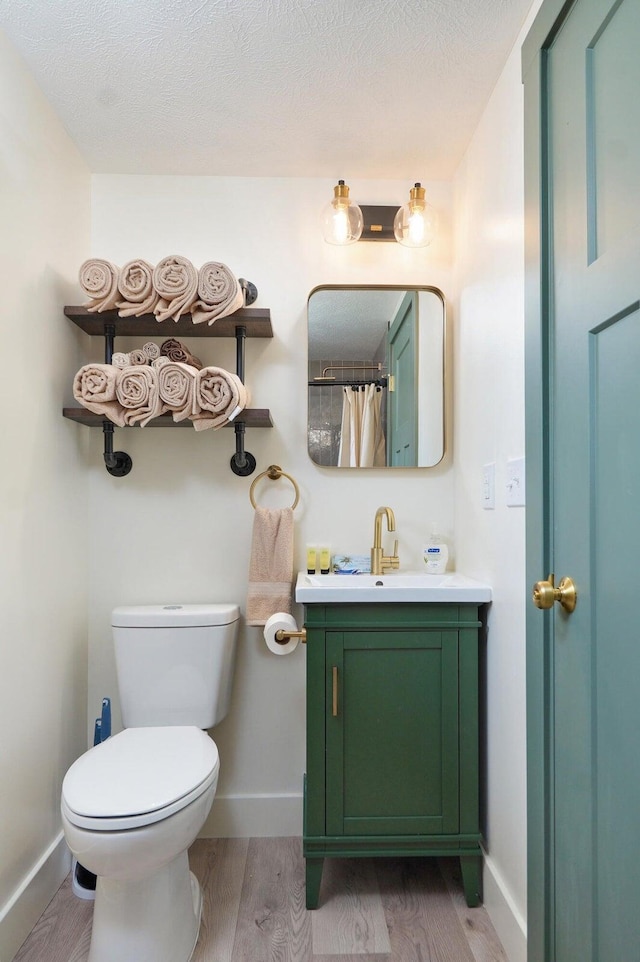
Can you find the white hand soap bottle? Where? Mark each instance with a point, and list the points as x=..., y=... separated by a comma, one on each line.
x=435, y=553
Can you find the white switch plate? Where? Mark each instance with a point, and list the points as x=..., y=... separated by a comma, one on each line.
x=515, y=484
x=489, y=486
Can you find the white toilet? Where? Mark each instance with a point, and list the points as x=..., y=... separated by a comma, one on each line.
x=132, y=806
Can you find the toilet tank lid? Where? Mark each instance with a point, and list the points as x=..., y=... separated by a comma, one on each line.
x=174, y=616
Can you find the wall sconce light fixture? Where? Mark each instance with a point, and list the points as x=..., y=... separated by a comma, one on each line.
x=341, y=220
x=412, y=225
x=415, y=222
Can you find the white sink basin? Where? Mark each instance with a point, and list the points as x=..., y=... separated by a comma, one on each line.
x=396, y=586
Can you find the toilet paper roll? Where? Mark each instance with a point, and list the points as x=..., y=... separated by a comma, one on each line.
x=280, y=620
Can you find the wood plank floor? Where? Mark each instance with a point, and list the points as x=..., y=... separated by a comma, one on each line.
x=371, y=910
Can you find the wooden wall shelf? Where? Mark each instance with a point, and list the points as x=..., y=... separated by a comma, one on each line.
x=252, y=418
x=256, y=320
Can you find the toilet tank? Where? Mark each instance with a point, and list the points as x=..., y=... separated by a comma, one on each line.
x=175, y=663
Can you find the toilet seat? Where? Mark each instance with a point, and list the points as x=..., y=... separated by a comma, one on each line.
x=138, y=777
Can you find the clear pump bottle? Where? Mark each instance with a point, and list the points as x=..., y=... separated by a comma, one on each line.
x=435, y=553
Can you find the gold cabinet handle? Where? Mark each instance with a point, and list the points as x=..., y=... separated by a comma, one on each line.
x=334, y=701
x=545, y=594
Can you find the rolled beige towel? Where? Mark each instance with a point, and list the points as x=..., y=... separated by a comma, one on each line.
x=137, y=357
x=177, y=388
x=99, y=280
x=151, y=351
x=176, y=351
x=137, y=392
x=120, y=359
x=94, y=386
x=219, y=293
x=176, y=281
x=220, y=397
x=135, y=284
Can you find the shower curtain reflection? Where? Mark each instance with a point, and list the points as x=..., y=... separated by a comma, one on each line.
x=362, y=442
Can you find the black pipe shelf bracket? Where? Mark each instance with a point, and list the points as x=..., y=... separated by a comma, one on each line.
x=242, y=462
x=245, y=322
x=117, y=463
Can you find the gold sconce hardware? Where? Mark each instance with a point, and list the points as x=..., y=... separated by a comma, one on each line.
x=334, y=692
x=545, y=594
x=282, y=636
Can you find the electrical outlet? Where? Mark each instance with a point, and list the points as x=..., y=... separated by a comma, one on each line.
x=489, y=486
x=515, y=485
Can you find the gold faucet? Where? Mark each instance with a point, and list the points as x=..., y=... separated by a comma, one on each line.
x=379, y=561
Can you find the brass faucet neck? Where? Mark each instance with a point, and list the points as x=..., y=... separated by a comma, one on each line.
x=378, y=560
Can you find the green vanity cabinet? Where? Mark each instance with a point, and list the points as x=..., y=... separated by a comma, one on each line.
x=392, y=735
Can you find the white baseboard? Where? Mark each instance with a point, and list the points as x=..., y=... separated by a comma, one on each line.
x=507, y=920
x=254, y=816
x=19, y=915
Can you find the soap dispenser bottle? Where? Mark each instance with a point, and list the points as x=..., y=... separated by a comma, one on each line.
x=435, y=553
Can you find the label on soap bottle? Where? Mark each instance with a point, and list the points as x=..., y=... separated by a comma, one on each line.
x=435, y=557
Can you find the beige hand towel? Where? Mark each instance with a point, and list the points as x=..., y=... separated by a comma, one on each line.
x=219, y=293
x=94, y=386
x=176, y=281
x=135, y=284
x=99, y=280
x=220, y=397
x=137, y=392
x=271, y=564
x=177, y=387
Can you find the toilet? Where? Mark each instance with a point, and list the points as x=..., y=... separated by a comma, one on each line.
x=132, y=806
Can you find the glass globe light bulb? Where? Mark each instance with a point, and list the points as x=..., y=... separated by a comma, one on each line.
x=342, y=221
x=415, y=223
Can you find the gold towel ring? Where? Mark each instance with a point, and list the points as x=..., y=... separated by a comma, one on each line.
x=274, y=471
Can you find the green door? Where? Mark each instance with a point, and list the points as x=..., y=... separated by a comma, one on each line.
x=402, y=400
x=392, y=732
x=582, y=95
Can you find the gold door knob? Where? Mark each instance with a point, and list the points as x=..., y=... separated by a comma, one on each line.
x=545, y=594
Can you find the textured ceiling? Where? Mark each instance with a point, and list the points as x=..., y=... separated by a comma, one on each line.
x=315, y=88
x=349, y=324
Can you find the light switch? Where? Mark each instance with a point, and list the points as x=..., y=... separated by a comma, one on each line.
x=489, y=486
x=515, y=483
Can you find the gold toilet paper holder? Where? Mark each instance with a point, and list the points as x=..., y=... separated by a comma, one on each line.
x=282, y=636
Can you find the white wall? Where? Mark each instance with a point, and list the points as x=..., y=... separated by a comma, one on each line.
x=178, y=528
x=44, y=236
x=489, y=428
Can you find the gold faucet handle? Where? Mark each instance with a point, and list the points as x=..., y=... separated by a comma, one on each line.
x=393, y=561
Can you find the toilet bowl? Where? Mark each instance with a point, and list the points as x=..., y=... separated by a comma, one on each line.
x=131, y=807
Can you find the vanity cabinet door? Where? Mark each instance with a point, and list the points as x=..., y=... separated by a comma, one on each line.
x=392, y=757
